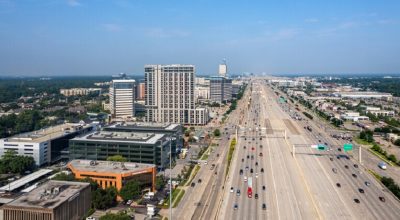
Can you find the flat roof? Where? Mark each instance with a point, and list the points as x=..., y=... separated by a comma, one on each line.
x=123, y=80
x=152, y=125
x=26, y=179
x=46, y=195
x=121, y=136
x=364, y=93
x=47, y=133
x=108, y=166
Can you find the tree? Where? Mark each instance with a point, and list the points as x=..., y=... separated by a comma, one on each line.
x=397, y=142
x=13, y=163
x=217, y=132
x=104, y=198
x=64, y=177
x=117, y=216
x=160, y=182
x=392, y=158
x=130, y=190
x=117, y=158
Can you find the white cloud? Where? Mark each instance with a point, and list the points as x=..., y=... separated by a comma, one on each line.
x=110, y=27
x=73, y=3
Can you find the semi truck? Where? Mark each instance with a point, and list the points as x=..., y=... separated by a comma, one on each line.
x=250, y=187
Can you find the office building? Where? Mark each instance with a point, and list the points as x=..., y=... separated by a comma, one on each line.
x=175, y=131
x=220, y=89
x=169, y=95
x=136, y=147
x=122, y=98
x=52, y=200
x=223, y=69
x=45, y=145
x=116, y=174
x=140, y=91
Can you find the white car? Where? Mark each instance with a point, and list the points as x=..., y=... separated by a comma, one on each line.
x=205, y=162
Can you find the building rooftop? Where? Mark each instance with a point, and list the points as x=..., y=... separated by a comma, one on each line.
x=123, y=80
x=47, y=133
x=25, y=180
x=152, y=125
x=108, y=166
x=117, y=136
x=170, y=65
x=49, y=195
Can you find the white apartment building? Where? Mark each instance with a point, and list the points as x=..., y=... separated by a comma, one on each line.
x=45, y=145
x=222, y=70
x=169, y=95
x=122, y=98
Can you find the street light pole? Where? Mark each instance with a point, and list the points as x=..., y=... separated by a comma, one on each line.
x=170, y=177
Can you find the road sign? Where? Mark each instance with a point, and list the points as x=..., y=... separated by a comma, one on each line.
x=347, y=147
x=321, y=147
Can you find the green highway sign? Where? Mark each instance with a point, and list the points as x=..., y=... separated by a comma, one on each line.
x=321, y=147
x=347, y=147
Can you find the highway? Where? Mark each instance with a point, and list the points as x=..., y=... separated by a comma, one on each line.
x=300, y=187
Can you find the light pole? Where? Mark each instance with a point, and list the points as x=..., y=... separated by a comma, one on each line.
x=170, y=177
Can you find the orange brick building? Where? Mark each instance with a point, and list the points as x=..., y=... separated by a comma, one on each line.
x=109, y=173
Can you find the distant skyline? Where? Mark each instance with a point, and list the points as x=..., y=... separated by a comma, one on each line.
x=102, y=37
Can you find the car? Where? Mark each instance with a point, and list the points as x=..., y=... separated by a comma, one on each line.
x=256, y=175
x=264, y=206
x=247, y=168
x=339, y=149
x=245, y=139
x=319, y=140
x=382, y=198
x=235, y=207
x=263, y=187
x=354, y=175
x=260, y=139
x=238, y=192
x=254, y=139
x=355, y=166
x=205, y=162
x=244, y=147
x=367, y=183
x=252, y=157
x=347, y=157
x=331, y=158
x=231, y=190
x=345, y=166
x=334, y=170
x=360, y=190
x=260, y=146
x=262, y=170
x=256, y=163
x=261, y=154
x=256, y=196
x=326, y=144
x=217, y=155
x=252, y=148
x=356, y=200
x=251, y=170
x=240, y=171
x=242, y=159
x=129, y=202
x=338, y=157
x=199, y=180
x=338, y=185
x=248, y=156
x=193, y=184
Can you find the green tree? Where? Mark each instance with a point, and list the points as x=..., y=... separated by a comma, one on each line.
x=104, y=198
x=217, y=133
x=117, y=158
x=392, y=158
x=13, y=163
x=160, y=182
x=117, y=216
x=130, y=190
x=64, y=177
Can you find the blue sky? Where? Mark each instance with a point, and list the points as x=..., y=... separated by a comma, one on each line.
x=104, y=37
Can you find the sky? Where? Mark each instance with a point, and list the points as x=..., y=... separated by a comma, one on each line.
x=106, y=37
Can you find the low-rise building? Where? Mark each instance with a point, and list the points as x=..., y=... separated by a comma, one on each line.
x=45, y=145
x=353, y=116
x=136, y=147
x=79, y=91
x=365, y=95
x=59, y=200
x=116, y=174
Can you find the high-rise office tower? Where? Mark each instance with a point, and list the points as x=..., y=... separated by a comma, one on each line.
x=223, y=69
x=122, y=97
x=220, y=89
x=169, y=95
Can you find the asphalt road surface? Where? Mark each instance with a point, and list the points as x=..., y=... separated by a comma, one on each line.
x=300, y=187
